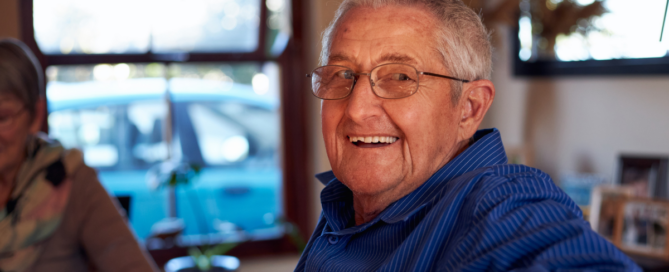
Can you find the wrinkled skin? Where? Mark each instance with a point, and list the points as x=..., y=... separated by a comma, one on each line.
x=430, y=128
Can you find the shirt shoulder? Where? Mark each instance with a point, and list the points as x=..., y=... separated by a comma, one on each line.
x=518, y=218
x=516, y=186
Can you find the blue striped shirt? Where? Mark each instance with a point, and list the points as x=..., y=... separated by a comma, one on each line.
x=477, y=213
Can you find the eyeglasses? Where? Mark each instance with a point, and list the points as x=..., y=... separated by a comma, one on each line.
x=391, y=81
x=8, y=120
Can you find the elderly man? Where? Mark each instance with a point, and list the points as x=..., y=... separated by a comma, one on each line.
x=414, y=186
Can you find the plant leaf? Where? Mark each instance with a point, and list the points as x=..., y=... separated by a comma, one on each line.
x=220, y=249
x=173, y=179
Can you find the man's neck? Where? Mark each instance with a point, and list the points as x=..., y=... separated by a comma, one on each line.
x=368, y=207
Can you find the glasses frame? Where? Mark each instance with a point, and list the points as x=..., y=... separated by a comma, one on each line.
x=357, y=76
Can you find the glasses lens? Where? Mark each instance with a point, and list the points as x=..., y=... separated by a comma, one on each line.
x=395, y=80
x=332, y=82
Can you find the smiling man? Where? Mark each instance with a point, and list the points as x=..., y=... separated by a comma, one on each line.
x=414, y=186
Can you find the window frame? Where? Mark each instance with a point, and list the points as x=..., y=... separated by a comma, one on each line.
x=296, y=183
x=614, y=67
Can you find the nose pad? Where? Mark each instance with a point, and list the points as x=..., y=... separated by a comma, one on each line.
x=357, y=77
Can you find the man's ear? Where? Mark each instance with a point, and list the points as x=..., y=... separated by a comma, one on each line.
x=476, y=98
x=39, y=116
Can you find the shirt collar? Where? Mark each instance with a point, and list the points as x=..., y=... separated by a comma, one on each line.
x=487, y=150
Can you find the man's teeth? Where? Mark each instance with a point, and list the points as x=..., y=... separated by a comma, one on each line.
x=373, y=139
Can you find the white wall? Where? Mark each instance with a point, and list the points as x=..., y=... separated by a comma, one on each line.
x=580, y=124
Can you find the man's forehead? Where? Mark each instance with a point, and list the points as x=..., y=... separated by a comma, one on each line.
x=410, y=15
x=391, y=34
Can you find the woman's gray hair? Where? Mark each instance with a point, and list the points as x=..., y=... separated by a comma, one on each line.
x=462, y=40
x=20, y=73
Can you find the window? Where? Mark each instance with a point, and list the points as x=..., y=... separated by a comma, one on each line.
x=197, y=82
x=585, y=37
x=103, y=27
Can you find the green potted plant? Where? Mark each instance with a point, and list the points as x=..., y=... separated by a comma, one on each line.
x=169, y=175
x=207, y=258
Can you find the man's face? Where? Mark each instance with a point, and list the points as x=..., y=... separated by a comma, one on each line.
x=425, y=125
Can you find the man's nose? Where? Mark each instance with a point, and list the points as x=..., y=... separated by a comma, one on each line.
x=362, y=102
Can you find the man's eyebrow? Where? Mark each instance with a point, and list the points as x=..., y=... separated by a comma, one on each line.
x=338, y=57
x=396, y=58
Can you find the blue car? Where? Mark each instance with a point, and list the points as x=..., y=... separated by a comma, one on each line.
x=126, y=129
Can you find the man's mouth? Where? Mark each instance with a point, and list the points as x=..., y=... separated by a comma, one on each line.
x=372, y=141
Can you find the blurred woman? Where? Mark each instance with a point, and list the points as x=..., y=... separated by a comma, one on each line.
x=54, y=213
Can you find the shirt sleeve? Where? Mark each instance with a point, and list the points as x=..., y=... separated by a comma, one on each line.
x=103, y=233
x=526, y=223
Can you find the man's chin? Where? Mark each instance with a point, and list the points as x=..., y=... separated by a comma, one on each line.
x=369, y=182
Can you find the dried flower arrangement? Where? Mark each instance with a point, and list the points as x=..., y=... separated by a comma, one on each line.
x=549, y=17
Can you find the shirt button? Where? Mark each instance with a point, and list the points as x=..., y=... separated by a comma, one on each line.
x=333, y=239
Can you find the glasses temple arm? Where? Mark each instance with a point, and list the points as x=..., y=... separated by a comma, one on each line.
x=443, y=76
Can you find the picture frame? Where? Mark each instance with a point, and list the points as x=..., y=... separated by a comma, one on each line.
x=606, y=204
x=645, y=228
x=647, y=175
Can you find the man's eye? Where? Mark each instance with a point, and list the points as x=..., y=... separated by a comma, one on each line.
x=401, y=77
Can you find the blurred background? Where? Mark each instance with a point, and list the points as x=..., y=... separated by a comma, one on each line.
x=148, y=89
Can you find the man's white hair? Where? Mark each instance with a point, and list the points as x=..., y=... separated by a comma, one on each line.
x=462, y=40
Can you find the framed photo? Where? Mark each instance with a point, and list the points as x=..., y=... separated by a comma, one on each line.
x=606, y=204
x=646, y=175
x=644, y=228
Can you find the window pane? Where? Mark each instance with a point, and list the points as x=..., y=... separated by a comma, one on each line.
x=626, y=30
x=110, y=27
x=114, y=137
x=114, y=113
x=278, y=24
x=92, y=26
x=206, y=26
x=225, y=118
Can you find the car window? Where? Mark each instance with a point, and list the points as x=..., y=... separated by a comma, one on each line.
x=114, y=137
x=232, y=132
x=146, y=125
x=91, y=130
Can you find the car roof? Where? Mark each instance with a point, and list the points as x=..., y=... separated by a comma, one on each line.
x=65, y=95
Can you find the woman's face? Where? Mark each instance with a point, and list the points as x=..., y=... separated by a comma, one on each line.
x=16, y=124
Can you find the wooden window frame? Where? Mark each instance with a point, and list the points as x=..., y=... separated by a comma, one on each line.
x=614, y=67
x=296, y=163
